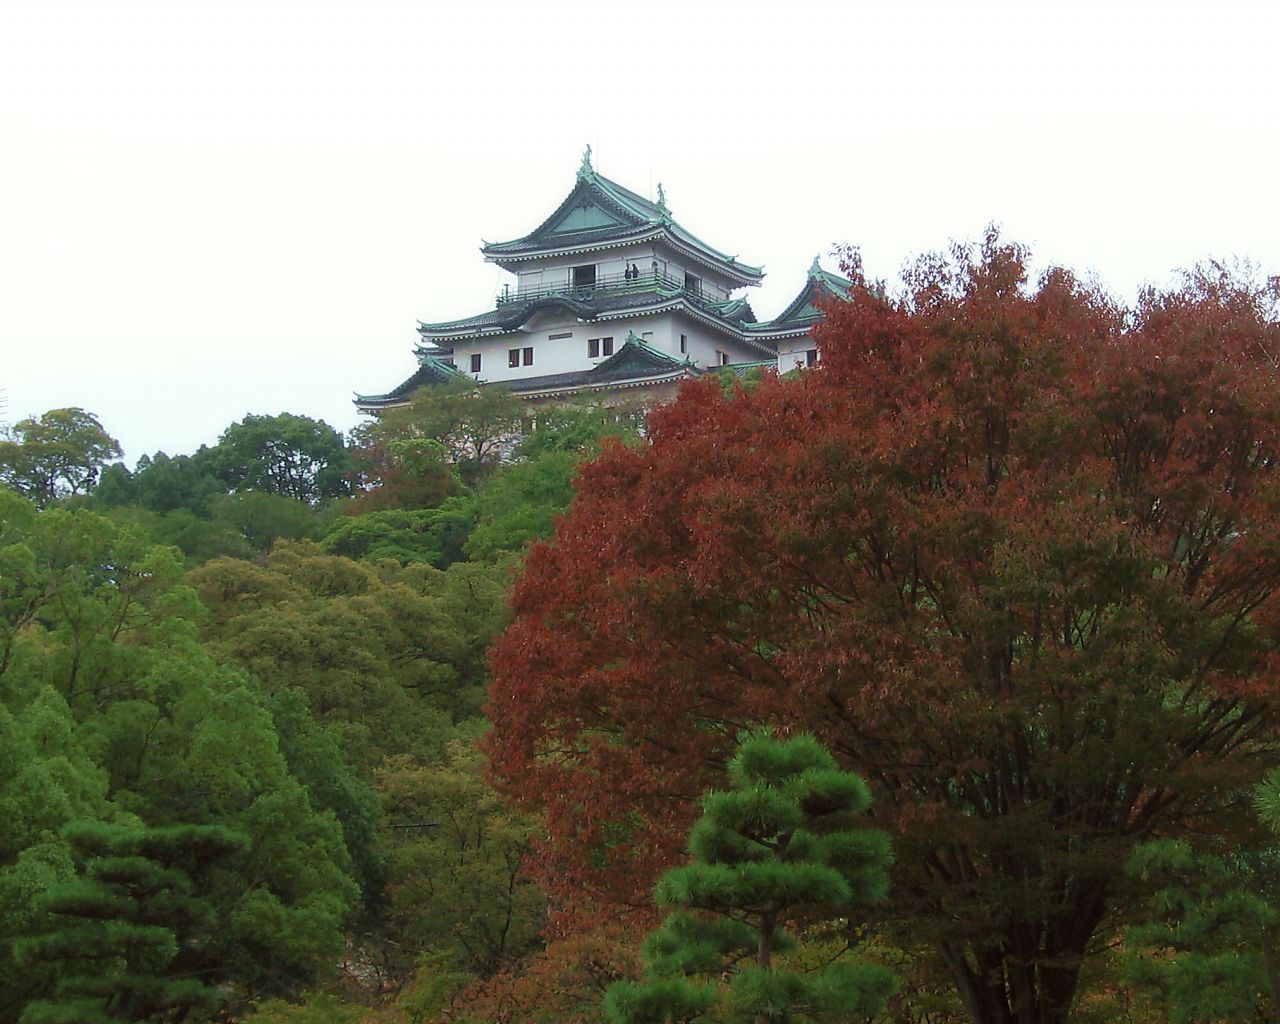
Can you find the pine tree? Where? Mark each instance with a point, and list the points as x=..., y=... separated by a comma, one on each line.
x=781, y=846
x=126, y=945
x=1208, y=950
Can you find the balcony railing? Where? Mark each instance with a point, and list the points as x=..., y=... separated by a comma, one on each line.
x=609, y=285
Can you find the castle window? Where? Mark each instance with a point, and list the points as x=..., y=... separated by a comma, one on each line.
x=693, y=284
x=722, y=358
x=584, y=277
x=647, y=336
x=513, y=357
x=560, y=337
x=684, y=344
x=528, y=357
x=811, y=357
x=475, y=362
x=606, y=346
x=593, y=348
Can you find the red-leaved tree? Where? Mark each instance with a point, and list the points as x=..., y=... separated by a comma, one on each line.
x=1012, y=552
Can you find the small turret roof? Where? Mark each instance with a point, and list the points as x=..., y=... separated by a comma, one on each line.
x=598, y=214
x=803, y=311
x=431, y=370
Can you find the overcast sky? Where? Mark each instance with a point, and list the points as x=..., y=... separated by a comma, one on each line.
x=209, y=209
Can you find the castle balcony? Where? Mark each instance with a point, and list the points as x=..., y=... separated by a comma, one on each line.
x=609, y=286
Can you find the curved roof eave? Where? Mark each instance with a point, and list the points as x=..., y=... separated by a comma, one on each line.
x=591, y=386
x=585, y=314
x=681, y=241
x=641, y=233
x=781, y=333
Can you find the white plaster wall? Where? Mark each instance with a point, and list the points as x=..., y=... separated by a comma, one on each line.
x=533, y=280
x=564, y=355
x=791, y=353
x=559, y=356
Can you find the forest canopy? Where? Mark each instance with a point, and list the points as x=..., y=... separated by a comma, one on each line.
x=406, y=726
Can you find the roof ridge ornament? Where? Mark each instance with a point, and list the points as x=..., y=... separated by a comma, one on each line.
x=815, y=269
x=662, y=202
x=585, y=171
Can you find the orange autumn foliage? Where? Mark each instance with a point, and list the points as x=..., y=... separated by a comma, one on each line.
x=1011, y=552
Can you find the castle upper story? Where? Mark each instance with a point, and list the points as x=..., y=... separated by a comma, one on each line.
x=608, y=265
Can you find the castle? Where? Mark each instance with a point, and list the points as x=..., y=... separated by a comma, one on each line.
x=613, y=299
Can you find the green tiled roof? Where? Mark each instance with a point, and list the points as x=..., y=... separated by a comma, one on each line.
x=600, y=213
x=803, y=312
x=637, y=355
x=733, y=318
x=431, y=370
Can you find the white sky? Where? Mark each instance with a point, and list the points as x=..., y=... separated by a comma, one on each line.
x=215, y=208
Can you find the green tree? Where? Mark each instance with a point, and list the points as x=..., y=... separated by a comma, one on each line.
x=261, y=518
x=159, y=483
x=289, y=455
x=105, y=620
x=167, y=484
x=387, y=655
x=55, y=455
x=130, y=934
x=200, y=539
x=1210, y=952
x=1210, y=949
x=433, y=535
x=47, y=779
x=469, y=427
x=460, y=902
x=782, y=846
x=115, y=488
x=83, y=605
x=519, y=503
x=579, y=428
x=315, y=758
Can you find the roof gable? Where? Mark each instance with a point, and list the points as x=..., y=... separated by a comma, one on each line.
x=431, y=371
x=600, y=212
x=635, y=364
x=587, y=217
x=635, y=359
x=820, y=285
x=589, y=214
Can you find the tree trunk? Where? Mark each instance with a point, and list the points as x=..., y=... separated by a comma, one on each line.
x=764, y=952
